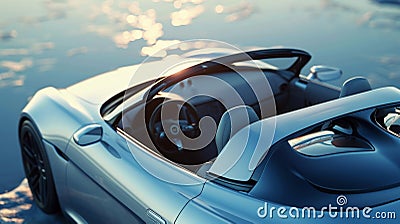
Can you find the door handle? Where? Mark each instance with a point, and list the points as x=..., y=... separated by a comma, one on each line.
x=88, y=134
x=155, y=217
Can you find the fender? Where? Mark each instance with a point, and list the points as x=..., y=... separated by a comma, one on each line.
x=49, y=106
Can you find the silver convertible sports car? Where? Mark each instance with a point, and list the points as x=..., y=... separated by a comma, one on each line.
x=220, y=137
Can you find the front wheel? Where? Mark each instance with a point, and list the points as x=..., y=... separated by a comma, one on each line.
x=37, y=168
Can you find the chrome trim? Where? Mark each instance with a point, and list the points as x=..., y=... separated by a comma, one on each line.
x=88, y=134
x=155, y=217
x=306, y=140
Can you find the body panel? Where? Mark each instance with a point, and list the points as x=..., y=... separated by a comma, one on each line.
x=116, y=178
x=217, y=204
x=62, y=116
x=112, y=167
x=251, y=153
x=102, y=87
x=59, y=169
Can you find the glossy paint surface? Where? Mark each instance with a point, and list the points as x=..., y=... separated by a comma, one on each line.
x=58, y=43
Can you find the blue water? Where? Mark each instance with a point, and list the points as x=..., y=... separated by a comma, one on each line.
x=60, y=42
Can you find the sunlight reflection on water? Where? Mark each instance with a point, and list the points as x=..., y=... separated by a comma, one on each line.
x=129, y=23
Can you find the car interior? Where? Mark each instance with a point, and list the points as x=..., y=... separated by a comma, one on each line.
x=189, y=121
x=211, y=95
x=189, y=117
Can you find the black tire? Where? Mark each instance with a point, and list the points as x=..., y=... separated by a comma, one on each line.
x=37, y=168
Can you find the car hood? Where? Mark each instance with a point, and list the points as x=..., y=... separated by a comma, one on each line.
x=100, y=88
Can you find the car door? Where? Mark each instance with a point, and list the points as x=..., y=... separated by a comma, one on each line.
x=108, y=183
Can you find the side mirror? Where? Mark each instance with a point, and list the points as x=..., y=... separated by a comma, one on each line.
x=324, y=73
x=88, y=134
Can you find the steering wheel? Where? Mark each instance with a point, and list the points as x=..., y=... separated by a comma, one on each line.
x=168, y=122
